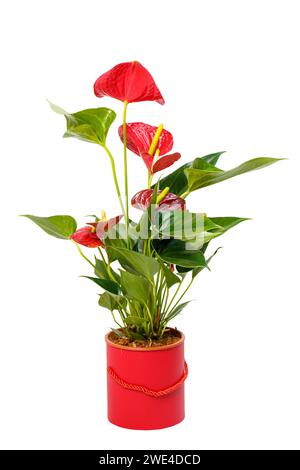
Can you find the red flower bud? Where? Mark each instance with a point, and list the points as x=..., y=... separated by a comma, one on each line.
x=130, y=82
x=142, y=200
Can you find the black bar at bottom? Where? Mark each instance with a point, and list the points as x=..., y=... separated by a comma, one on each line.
x=135, y=459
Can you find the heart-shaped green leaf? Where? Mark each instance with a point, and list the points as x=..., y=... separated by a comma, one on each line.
x=134, y=321
x=169, y=276
x=106, y=284
x=200, y=177
x=91, y=125
x=176, y=252
x=59, y=226
x=135, y=287
x=101, y=270
x=138, y=263
x=177, y=181
x=182, y=225
x=111, y=301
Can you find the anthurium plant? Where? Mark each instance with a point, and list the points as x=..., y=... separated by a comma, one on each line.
x=145, y=267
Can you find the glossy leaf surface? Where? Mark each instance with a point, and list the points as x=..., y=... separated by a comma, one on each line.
x=176, y=252
x=138, y=263
x=59, y=226
x=177, y=181
x=200, y=178
x=135, y=287
x=91, y=125
x=106, y=284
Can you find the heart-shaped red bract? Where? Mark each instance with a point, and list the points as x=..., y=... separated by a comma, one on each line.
x=130, y=82
x=155, y=164
x=142, y=200
x=139, y=136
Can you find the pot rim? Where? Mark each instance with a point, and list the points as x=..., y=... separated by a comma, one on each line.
x=147, y=349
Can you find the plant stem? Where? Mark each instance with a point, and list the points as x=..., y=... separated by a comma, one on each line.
x=125, y=170
x=107, y=266
x=172, y=299
x=113, y=167
x=150, y=176
x=184, y=292
x=85, y=257
x=185, y=194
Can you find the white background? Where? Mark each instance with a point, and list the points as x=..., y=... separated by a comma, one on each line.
x=229, y=72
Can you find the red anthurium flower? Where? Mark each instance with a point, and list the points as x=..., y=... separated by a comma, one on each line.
x=142, y=200
x=130, y=82
x=87, y=236
x=139, y=137
x=92, y=235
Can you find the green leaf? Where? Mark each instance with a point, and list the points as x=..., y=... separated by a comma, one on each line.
x=212, y=158
x=110, y=301
x=101, y=271
x=118, y=333
x=182, y=225
x=221, y=225
x=135, y=287
x=177, y=181
x=198, y=270
x=133, y=335
x=176, y=311
x=170, y=277
x=133, y=320
x=175, y=252
x=200, y=178
x=59, y=226
x=138, y=263
x=116, y=237
x=111, y=246
x=108, y=285
x=226, y=223
x=91, y=125
x=201, y=164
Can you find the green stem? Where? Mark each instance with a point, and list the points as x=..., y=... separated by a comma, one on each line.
x=114, y=318
x=172, y=299
x=85, y=257
x=125, y=170
x=183, y=294
x=150, y=176
x=107, y=266
x=113, y=167
x=185, y=194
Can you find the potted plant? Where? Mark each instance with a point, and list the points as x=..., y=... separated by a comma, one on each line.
x=145, y=267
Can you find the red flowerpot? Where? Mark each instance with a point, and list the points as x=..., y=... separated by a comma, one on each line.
x=145, y=386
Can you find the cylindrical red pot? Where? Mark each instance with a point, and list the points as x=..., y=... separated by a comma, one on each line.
x=145, y=388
